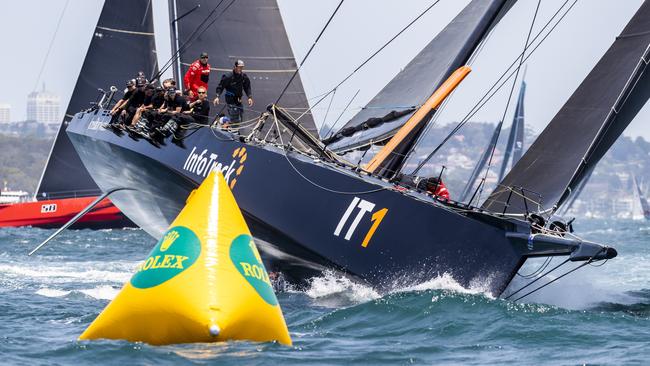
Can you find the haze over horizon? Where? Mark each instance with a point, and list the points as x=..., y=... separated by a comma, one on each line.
x=553, y=72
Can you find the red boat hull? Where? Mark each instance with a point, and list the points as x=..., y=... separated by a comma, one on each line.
x=55, y=213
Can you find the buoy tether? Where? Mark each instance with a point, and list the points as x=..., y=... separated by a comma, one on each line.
x=203, y=282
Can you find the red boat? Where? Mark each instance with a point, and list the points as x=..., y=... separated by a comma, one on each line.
x=54, y=213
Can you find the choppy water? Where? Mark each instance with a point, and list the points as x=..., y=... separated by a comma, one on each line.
x=596, y=315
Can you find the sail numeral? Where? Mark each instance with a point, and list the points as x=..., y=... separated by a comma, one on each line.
x=363, y=207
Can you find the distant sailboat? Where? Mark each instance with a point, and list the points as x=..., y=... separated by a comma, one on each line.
x=514, y=147
x=641, y=200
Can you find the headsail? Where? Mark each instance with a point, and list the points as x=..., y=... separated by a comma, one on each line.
x=515, y=145
x=122, y=45
x=586, y=126
x=448, y=51
x=251, y=30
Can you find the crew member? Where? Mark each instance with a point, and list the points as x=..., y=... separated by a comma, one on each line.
x=135, y=101
x=197, y=75
x=169, y=114
x=235, y=83
x=200, y=108
x=435, y=187
x=128, y=92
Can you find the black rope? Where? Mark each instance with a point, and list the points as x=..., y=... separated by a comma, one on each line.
x=551, y=281
x=309, y=52
x=538, y=270
x=324, y=95
x=538, y=278
x=495, y=86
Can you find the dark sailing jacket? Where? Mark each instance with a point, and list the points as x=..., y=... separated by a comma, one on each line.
x=235, y=85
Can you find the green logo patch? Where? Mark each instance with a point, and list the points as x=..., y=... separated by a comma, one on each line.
x=248, y=262
x=178, y=249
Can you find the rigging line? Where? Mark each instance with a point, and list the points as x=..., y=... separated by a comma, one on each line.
x=434, y=118
x=309, y=52
x=551, y=19
x=182, y=47
x=286, y=156
x=187, y=44
x=340, y=115
x=377, y=52
x=553, y=280
x=512, y=89
x=327, y=112
x=538, y=278
x=170, y=61
x=193, y=36
x=49, y=48
x=496, y=86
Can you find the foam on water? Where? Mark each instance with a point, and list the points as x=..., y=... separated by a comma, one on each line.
x=102, y=292
x=331, y=284
x=68, y=273
x=52, y=292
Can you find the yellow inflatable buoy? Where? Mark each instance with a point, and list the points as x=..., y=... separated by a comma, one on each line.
x=203, y=282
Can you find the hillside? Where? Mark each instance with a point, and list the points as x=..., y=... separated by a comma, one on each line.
x=22, y=161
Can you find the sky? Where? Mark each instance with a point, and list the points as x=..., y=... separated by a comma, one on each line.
x=359, y=28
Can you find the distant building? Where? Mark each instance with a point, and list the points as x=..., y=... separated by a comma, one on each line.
x=5, y=113
x=43, y=107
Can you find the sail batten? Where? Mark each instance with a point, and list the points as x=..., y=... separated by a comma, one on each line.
x=123, y=25
x=587, y=125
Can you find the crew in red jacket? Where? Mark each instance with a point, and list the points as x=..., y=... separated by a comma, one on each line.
x=434, y=187
x=197, y=76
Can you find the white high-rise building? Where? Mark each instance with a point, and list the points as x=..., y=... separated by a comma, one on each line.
x=43, y=107
x=5, y=113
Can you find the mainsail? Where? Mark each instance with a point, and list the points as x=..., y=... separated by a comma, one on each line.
x=515, y=145
x=250, y=30
x=584, y=128
x=448, y=51
x=122, y=45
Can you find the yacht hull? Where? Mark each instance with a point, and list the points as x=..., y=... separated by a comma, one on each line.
x=305, y=214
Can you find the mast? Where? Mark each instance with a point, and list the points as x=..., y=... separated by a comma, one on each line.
x=122, y=44
x=250, y=30
x=585, y=127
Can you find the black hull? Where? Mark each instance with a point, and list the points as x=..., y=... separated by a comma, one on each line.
x=416, y=240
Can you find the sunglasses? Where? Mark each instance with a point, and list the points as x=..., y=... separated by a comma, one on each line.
x=201, y=92
x=204, y=58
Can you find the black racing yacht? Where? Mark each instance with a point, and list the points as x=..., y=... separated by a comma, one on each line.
x=311, y=209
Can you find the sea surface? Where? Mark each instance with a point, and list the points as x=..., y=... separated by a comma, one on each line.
x=597, y=315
